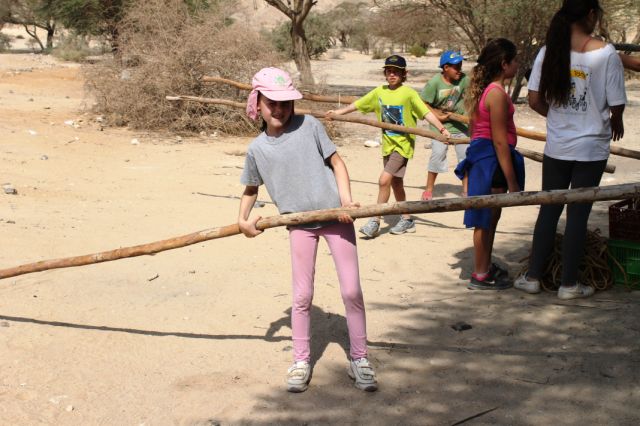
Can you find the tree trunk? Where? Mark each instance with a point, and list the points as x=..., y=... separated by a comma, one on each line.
x=34, y=35
x=517, y=85
x=301, y=54
x=51, y=30
x=298, y=12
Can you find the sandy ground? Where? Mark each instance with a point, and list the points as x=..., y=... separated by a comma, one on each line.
x=200, y=335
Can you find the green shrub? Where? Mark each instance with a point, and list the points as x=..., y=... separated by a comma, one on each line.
x=417, y=50
x=317, y=29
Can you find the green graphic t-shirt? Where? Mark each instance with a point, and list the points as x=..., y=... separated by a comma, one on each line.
x=401, y=106
x=448, y=98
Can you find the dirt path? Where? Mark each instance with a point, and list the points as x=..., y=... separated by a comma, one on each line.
x=200, y=335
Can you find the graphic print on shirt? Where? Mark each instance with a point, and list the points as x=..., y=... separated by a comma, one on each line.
x=391, y=114
x=578, y=103
x=450, y=98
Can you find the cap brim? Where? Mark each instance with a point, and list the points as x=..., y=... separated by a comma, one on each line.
x=394, y=66
x=282, y=95
x=453, y=61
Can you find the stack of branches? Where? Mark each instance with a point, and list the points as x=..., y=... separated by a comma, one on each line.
x=166, y=47
x=594, y=270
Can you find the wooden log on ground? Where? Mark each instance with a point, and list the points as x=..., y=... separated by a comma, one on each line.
x=581, y=195
x=532, y=155
x=529, y=134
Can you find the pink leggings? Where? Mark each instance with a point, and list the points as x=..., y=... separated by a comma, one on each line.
x=341, y=239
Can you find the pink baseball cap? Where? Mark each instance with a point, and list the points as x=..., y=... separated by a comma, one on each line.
x=273, y=83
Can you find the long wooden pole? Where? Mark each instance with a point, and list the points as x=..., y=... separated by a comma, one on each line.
x=537, y=156
x=346, y=118
x=532, y=155
x=615, y=192
x=529, y=134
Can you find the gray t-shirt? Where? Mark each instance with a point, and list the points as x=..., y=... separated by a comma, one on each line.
x=294, y=167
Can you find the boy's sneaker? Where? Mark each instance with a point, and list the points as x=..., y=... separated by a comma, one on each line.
x=362, y=373
x=531, y=286
x=497, y=279
x=298, y=376
x=404, y=225
x=576, y=292
x=371, y=229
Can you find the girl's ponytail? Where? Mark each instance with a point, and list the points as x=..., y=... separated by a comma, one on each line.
x=476, y=88
x=555, y=80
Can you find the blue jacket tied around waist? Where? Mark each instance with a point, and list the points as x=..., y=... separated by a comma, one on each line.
x=480, y=164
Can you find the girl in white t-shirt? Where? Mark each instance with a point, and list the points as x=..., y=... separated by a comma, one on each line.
x=577, y=82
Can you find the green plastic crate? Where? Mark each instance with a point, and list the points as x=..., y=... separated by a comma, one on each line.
x=627, y=254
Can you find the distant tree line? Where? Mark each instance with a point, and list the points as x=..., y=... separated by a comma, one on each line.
x=83, y=17
x=467, y=25
x=369, y=26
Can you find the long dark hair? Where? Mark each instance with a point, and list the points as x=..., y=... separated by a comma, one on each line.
x=555, y=80
x=488, y=68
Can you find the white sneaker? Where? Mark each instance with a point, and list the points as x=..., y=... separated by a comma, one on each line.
x=576, y=292
x=371, y=229
x=298, y=376
x=530, y=285
x=362, y=372
x=404, y=225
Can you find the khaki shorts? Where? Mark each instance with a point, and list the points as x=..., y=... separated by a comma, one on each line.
x=395, y=164
x=438, y=161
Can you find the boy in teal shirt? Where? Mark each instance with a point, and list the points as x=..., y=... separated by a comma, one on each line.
x=396, y=104
x=445, y=91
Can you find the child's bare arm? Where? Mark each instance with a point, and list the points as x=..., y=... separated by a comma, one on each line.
x=344, y=110
x=344, y=185
x=617, y=126
x=630, y=62
x=440, y=114
x=248, y=199
x=538, y=104
x=498, y=107
x=433, y=119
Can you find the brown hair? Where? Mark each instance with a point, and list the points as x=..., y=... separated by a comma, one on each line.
x=555, y=79
x=404, y=72
x=497, y=51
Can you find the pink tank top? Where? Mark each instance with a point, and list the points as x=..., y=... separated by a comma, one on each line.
x=482, y=123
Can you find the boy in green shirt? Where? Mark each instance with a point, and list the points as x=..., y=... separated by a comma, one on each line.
x=445, y=91
x=396, y=104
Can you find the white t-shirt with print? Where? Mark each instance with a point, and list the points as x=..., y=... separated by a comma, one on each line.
x=581, y=130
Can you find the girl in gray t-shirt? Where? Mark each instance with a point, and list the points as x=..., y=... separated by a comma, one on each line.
x=297, y=162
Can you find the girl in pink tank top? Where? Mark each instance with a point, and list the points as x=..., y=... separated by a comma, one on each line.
x=482, y=121
x=492, y=165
